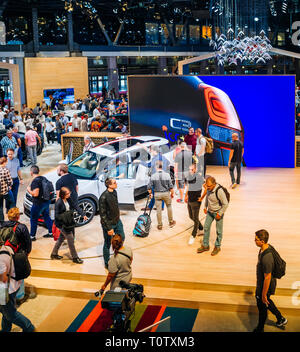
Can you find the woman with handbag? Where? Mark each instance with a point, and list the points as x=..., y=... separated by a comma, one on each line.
x=64, y=220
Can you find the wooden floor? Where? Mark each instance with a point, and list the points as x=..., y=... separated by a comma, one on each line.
x=266, y=199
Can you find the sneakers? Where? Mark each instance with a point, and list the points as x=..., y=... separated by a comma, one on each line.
x=159, y=227
x=215, y=251
x=233, y=185
x=283, y=321
x=77, y=260
x=48, y=235
x=33, y=238
x=172, y=224
x=202, y=249
x=191, y=240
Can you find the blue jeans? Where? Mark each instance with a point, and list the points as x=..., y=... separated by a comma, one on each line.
x=15, y=189
x=20, y=157
x=12, y=316
x=118, y=229
x=21, y=291
x=37, y=211
x=232, y=166
x=31, y=150
x=210, y=217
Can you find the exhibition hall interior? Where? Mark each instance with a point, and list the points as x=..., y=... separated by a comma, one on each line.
x=150, y=166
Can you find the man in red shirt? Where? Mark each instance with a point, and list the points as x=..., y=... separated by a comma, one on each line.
x=191, y=140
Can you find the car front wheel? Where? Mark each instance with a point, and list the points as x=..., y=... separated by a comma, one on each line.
x=89, y=210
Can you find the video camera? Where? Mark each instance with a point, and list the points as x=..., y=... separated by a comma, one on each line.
x=122, y=303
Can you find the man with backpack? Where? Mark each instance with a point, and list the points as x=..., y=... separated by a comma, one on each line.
x=216, y=203
x=18, y=235
x=15, y=246
x=41, y=191
x=269, y=267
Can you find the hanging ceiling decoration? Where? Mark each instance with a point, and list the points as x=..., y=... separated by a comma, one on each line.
x=240, y=31
x=229, y=49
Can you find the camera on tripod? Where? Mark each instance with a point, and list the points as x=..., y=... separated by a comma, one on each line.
x=122, y=303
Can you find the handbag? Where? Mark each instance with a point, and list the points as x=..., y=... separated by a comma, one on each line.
x=55, y=232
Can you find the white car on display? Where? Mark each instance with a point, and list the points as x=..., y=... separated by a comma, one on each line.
x=117, y=159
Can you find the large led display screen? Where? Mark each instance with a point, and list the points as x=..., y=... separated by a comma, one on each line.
x=67, y=94
x=261, y=109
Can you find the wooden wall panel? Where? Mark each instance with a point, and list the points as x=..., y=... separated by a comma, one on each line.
x=51, y=73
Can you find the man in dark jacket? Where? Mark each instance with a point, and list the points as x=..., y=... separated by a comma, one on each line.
x=110, y=216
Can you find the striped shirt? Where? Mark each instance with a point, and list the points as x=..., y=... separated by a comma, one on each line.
x=5, y=181
x=7, y=143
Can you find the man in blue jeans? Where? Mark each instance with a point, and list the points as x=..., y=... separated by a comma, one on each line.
x=40, y=207
x=110, y=216
x=215, y=206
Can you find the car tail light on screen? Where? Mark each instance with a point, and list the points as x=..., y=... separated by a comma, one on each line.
x=220, y=108
x=223, y=117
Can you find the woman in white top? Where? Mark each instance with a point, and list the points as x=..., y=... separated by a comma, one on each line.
x=49, y=129
x=111, y=108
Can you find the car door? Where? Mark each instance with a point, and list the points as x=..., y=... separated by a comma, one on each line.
x=126, y=184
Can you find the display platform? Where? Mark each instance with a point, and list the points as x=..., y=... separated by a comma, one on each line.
x=172, y=270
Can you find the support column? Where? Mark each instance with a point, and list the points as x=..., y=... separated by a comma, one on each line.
x=113, y=74
x=162, y=65
x=20, y=63
x=35, y=29
x=70, y=32
x=270, y=67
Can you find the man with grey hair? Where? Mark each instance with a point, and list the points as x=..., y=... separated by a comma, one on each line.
x=235, y=159
x=88, y=143
x=162, y=185
x=216, y=204
x=76, y=122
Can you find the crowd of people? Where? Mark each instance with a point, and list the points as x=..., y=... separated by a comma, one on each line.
x=191, y=184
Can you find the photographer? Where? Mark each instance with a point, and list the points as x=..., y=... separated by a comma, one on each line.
x=119, y=265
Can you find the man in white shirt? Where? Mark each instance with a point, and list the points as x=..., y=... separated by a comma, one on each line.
x=75, y=123
x=96, y=112
x=20, y=126
x=10, y=315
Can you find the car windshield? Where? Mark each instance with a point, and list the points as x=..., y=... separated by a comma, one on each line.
x=123, y=144
x=87, y=165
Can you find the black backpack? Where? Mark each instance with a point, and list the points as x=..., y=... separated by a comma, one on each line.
x=226, y=193
x=21, y=264
x=47, y=189
x=279, y=263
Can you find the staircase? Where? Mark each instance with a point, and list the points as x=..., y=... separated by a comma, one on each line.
x=162, y=292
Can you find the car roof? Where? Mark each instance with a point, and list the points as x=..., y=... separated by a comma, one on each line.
x=111, y=148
